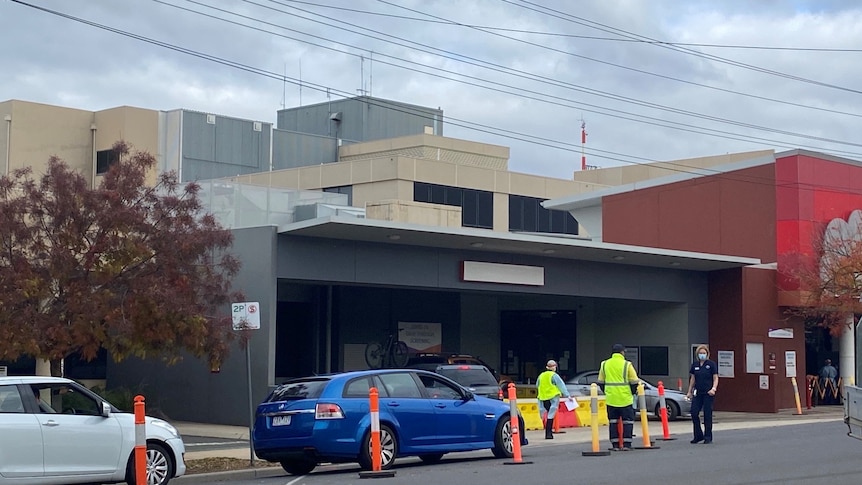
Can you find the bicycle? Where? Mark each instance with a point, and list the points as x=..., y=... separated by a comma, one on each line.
x=392, y=353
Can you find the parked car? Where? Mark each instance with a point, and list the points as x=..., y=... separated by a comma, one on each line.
x=445, y=358
x=677, y=404
x=56, y=431
x=326, y=418
x=476, y=378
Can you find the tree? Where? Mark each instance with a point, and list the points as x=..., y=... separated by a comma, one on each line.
x=131, y=267
x=831, y=277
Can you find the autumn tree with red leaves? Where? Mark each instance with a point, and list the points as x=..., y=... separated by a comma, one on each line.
x=831, y=278
x=135, y=268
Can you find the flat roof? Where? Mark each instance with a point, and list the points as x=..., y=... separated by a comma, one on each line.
x=484, y=240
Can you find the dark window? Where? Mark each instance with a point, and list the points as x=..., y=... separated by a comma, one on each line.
x=344, y=189
x=654, y=361
x=526, y=214
x=477, y=206
x=104, y=160
x=438, y=389
x=298, y=389
x=400, y=385
x=357, y=388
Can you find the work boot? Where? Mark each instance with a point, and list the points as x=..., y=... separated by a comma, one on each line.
x=549, y=429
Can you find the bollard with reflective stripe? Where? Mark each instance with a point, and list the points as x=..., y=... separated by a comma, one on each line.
x=663, y=413
x=796, y=395
x=515, y=428
x=594, y=423
x=374, y=415
x=140, y=441
x=647, y=444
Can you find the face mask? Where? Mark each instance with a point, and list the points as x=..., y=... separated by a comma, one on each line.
x=701, y=356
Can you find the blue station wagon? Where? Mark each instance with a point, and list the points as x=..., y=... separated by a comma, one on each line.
x=326, y=419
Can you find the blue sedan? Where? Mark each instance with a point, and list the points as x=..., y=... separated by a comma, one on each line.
x=325, y=419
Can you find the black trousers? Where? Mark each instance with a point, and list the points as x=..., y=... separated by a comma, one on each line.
x=627, y=415
x=702, y=401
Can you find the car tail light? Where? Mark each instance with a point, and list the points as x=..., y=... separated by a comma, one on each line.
x=500, y=394
x=328, y=411
x=464, y=367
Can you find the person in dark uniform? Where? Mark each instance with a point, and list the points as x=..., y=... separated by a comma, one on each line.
x=703, y=383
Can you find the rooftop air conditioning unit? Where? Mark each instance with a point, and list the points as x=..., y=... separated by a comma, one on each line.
x=210, y=119
x=257, y=126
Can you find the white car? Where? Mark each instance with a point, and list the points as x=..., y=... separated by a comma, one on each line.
x=56, y=431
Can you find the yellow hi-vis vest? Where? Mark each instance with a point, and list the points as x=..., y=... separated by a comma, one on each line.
x=618, y=392
x=546, y=388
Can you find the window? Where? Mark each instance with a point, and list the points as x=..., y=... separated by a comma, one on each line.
x=477, y=206
x=105, y=159
x=298, y=389
x=654, y=361
x=66, y=399
x=437, y=389
x=10, y=400
x=344, y=189
x=400, y=385
x=526, y=214
x=357, y=388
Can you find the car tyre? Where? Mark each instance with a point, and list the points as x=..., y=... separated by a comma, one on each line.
x=429, y=459
x=503, y=438
x=160, y=466
x=298, y=467
x=388, y=449
x=672, y=410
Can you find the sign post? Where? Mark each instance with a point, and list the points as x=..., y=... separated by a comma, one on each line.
x=246, y=316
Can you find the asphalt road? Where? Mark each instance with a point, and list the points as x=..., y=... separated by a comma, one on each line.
x=206, y=443
x=818, y=453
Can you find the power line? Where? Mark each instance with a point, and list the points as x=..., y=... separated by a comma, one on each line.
x=400, y=108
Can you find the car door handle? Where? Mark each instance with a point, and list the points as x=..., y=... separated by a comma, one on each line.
x=393, y=404
x=51, y=423
x=440, y=405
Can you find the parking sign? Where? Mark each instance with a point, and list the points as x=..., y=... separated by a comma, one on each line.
x=246, y=315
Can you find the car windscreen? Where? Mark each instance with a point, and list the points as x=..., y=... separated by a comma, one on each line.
x=469, y=377
x=298, y=389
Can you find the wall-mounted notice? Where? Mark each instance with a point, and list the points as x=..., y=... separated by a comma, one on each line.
x=753, y=358
x=725, y=363
x=764, y=382
x=790, y=362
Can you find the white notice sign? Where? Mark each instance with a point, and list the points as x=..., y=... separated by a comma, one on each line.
x=764, y=382
x=725, y=363
x=246, y=315
x=790, y=362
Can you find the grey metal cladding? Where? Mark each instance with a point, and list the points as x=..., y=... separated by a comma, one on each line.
x=225, y=148
x=291, y=149
x=362, y=119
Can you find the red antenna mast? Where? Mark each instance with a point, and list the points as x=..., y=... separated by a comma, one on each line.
x=583, y=143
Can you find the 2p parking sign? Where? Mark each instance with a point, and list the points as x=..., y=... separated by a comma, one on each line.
x=246, y=315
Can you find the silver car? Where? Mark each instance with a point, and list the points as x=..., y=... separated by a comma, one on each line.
x=56, y=431
x=677, y=404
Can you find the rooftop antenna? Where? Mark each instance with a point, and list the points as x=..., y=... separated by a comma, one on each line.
x=361, y=89
x=583, y=143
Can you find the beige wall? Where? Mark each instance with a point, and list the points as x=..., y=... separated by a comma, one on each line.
x=431, y=147
x=637, y=173
x=138, y=127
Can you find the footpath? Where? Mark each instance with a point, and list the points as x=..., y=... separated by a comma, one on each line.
x=681, y=429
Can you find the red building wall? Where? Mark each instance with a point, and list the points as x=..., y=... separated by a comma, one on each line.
x=731, y=213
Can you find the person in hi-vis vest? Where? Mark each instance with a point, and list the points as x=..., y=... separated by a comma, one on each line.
x=550, y=387
x=619, y=381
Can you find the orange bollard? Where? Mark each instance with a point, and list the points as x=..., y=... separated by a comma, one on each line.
x=796, y=396
x=663, y=412
x=620, y=432
x=647, y=444
x=515, y=426
x=374, y=411
x=594, y=423
x=679, y=384
x=140, y=441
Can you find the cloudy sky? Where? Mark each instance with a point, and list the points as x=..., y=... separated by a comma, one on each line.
x=653, y=80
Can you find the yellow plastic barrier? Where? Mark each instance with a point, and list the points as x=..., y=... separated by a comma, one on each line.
x=584, y=411
x=526, y=392
x=533, y=418
x=530, y=412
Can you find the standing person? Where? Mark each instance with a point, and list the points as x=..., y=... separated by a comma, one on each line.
x=828, y=377
x=619, y=381
x=550, y=387
x=704, y=383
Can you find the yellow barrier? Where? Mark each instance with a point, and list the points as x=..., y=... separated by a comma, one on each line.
x=584, y=411
x=533, y=418
x=526, y=392
x=530, y=413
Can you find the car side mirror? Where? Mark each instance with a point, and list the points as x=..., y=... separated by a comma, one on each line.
x=105, y=409
x=469, y=396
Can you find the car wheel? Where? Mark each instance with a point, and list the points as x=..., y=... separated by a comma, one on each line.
x=298, y=467
x=672, y=410
x=503, y=438
x=160, y=466
x=431, y=458
x=388, y=449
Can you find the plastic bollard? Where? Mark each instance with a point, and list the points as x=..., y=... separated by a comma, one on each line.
x=647, y=444
x=594, y=423
x=663, y=412
x=140, y=441
x=796, y=396
x=374, y=412
x=679, y=384
x=514, y=425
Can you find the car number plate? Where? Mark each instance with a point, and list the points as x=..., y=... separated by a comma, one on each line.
x=280, y=420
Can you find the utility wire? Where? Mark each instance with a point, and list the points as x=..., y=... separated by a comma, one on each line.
x=401, y=108
x=624, y=33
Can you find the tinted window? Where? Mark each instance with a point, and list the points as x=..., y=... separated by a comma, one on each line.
x=357, y=388
x=527, y=214
x=65, y=398
x=10, y=400
x=298, y=389
x=438, y=389
x=470, y=377
x=400, y=385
